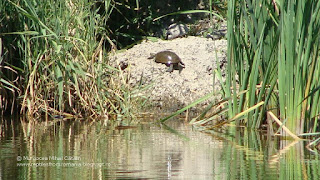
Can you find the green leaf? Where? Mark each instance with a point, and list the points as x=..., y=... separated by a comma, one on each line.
x=8, y=85
x=188, y=12
x=22, y=33
x=59, y=79
x=187, y=107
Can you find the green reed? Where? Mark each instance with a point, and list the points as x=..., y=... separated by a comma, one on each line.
x=59, y=49
x=273, y=55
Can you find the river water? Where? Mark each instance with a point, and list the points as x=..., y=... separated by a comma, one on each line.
x=91, y=150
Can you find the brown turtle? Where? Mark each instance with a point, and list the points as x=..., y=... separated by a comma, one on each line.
x=168, y=58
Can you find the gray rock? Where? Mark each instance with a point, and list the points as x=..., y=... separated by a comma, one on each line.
x=176, y=30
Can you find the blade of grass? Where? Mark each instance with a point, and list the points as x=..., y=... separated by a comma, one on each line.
x=188, y=12
x=187, y=107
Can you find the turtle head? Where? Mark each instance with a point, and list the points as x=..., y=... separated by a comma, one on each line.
x=152, y=55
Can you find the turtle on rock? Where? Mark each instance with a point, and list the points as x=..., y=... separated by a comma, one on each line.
x=168, y=58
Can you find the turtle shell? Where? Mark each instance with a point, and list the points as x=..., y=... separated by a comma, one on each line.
x=167, y=57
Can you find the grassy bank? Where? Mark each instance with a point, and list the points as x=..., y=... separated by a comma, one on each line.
x=53, y=59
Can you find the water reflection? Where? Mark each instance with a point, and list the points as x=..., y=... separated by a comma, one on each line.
x=90, y=150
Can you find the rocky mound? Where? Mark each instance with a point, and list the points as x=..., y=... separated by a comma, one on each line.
x=171, y=91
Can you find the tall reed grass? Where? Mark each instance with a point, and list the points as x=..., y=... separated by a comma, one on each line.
x=273, y=56
x=56, y=50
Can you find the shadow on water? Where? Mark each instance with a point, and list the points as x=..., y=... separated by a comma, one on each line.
x=90, y=150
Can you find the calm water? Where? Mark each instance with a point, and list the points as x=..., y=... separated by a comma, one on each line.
x=90, y=150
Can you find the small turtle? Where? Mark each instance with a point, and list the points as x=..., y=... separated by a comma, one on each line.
x=168, y=58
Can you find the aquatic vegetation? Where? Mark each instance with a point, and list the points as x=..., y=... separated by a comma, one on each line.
x=273, y=65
